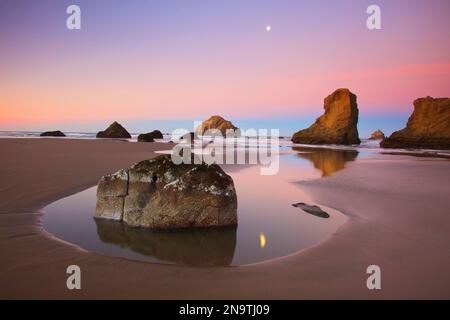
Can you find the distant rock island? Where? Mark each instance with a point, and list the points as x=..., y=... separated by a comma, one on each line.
x=216, y=123
x=150, y=137
x=159, y=194
x=114, y=131
x=338, y=125
x=377, y=135
x=428, y=127
x=52, y=134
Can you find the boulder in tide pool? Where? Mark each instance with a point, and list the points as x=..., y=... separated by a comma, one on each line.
x=114, y=131
x=52, y=134
x=150, y=137
x=338, y=125
x=157, y=194
x=428, y=127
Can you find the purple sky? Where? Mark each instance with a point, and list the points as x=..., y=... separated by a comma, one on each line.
x=136, y=60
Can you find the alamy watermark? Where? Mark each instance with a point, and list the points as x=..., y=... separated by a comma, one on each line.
x=73, y=282
x=374, y=280
x=373, y=22
x=236, y=147
x=73, y=21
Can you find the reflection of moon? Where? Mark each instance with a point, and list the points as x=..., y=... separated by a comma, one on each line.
x=268, y=28
x=262, y=240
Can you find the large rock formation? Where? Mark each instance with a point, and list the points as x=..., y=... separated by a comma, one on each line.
x=150, y=137
x=216, y=125
x=428, y=127
x=115, y=131
x=158, y=194
x=337, y=126
x=377, y=135
x=52, y=134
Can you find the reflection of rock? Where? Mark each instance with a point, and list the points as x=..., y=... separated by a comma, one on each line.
x=52, y=134
x=116, y=131
x=377, y=135
x=428, y=127
x=338, y=125
x=314, y=210
x=158, y=194
x=194, y=247
x=150, y=137
x=327, y=160
x=216, y=124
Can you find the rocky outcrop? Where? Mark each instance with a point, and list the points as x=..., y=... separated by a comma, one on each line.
x=150, y=137
x=158, y=194
x=377, y=135
x=52, y=134
x=338, y=125
x=114, y=131
x=216, y=125
x=428, y=127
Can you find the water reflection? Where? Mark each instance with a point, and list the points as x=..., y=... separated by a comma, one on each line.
x=198, y=247
x=269, y=226
x=262, y=240
x=328, y=161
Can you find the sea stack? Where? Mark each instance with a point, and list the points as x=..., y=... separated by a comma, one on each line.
x=158, y=194
x=216, y=124
x=377, y=135
x=338, y=125
x=428, y=127
x=114, y=131
x=52, y=134
x=150, y=137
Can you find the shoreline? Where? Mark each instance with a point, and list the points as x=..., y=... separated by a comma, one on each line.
x=279, y=278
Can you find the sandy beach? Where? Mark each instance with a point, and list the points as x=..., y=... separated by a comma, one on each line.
x=398, y=211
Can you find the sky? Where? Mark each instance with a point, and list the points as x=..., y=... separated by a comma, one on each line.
x=146, y=63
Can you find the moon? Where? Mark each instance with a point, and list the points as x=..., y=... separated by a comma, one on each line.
x=268, y=28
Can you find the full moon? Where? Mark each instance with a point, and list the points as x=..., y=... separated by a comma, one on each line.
x=268, y=28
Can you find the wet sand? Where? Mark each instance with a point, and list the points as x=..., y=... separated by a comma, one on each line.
x=398, y=206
